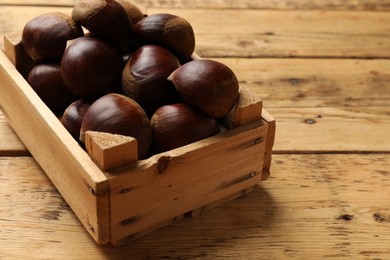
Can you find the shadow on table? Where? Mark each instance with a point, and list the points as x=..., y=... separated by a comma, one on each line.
x=220, y=229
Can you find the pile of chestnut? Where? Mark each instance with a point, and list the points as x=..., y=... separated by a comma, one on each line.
x=108, y=67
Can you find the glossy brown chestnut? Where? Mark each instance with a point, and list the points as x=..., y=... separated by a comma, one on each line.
x=73, y=116
x=208, y=85
x=144, y=77
x=104, y=18
x=45, y=36
x=46, y=80
x=167, y=30
x=178, y=124
x=118, y=114
x=90, y=67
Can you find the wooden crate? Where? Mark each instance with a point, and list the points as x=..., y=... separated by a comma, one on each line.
x=121, y=204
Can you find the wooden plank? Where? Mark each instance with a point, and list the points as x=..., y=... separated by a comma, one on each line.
x=10, y=144
x=272, y=4
x=315, y=82
x=238, y=4
x=38, y=2
x=270, y=141
x=72, y=171
x=14, y=49
x=297, y=34
x=282, y=218
x=263, y=33
x=332, y=129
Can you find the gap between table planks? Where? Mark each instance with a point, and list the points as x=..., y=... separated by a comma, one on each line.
x=347, y=216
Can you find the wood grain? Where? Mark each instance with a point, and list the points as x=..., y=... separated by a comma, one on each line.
x=262, y=33
x=332, y=129
x=110, y=150
x=170, y=184
x=238, y=4
x=277, y=220
x=296, y=34
x=315, y=82
x=10, y=143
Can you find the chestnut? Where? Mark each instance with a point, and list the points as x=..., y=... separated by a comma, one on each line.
x=73, y=116
x=170, y=31
x=90, y=67
x=133, y=12
x=45, y=36
x=46, y=80
x=117, y=114
x=178, y=124
x=208, y=85
x=104, y=18
x=144, y=77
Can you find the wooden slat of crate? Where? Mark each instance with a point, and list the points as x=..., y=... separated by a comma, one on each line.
x=162, y=188
x=67, y=165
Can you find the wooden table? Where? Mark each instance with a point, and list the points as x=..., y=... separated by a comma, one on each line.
x=322, y=68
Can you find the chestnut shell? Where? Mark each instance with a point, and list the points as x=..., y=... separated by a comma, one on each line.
x=105, y=18
x=45, y=36
x=144, y=77
x=46, y=80
x=73, y=116
x=207, y=85
x=90, y=67
x=118, y=114
x=178, y=124
x=170, y=31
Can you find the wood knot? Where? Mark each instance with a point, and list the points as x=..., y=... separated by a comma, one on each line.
x=381, y=217
x=163, y=163
x=346, y=217
x=130, y=220
x=310, y=121
x=295, y=81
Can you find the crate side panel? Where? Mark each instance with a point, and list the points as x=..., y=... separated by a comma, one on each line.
x=267, y=117
x=173, y=183
x=80, y=182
